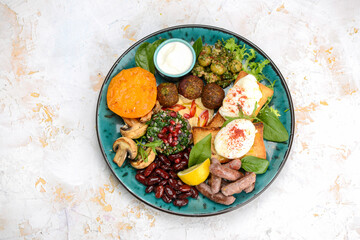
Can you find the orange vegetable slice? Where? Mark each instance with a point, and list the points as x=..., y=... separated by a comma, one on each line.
x=132, y=93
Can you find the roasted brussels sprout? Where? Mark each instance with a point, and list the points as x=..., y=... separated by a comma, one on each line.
x=217, y=65
x=235, y=66
x=204, y=60
x=218, y=68
x=206, y=50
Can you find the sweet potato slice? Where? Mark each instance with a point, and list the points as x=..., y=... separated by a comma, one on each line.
x=266, y=92
x=132, y=93
x=258, y=148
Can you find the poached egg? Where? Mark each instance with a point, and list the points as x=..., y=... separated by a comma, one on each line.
x=246, y=92
x=235, y=139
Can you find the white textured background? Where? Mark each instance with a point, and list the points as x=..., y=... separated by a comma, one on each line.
x=54, y=183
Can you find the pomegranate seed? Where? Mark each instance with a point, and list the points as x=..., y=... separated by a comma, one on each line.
x=171, y=128
x=165, y=140
x=177, y=160
x=173, y=114
x=178, y=131
x=170, y=139
x=186, y=115
x=178, y=125
x=161, y=136
x=164, y=130
x=172, y=122
x=174, y=143
x=175, y=139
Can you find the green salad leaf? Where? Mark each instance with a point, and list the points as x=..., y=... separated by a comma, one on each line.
x=197, y=46
x=274, y=130
x=275, y=111
x=247, y=56
x=254, y=164
x=238, y=51
x=242, y=115
x=142, y=147
x=201, y=151
x=145, y=54
x=153, y=145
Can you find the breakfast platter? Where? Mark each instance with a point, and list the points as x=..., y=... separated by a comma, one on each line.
x=195, y=120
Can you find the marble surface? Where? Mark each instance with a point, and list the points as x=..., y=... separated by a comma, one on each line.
x=54, y=183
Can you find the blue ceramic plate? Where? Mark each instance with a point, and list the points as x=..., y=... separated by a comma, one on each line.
x=108, y=124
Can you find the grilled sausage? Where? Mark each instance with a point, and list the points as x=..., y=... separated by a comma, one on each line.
x=215, y=183
x=239, y=185
x=205, y=190
x=250, y=189
x=224, y=172
x=234, y=164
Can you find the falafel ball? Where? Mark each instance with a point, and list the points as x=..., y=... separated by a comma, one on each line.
x=191, y=87
x=212, y=96
x=167, y=94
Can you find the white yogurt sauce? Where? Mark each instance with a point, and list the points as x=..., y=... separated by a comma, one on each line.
x=174, y=58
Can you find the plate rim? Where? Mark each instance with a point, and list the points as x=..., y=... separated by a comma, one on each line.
x=248, y=42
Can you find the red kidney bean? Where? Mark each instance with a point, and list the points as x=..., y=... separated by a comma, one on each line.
x=179, y=182
x=194, y=192
x=169, y=191
x=173, y=174
x=163, y=182
x=166, y=198
x=162, y=173
x=186, y=155
x=173, y=183
x=184, y=188
x=141, y=171
x=149, y=169
x=166, y=167
x=149, y=189
x=180, y=202
x=179, y=166
x=152, y=180
x=158, y=163
x=159, y=191
x=153, y=174
x=141, y=178
x=184, y=195
x=184, y=161
x=164, y=160
x=175, y=156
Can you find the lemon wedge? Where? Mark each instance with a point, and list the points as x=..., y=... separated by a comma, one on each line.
x=195, y=174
